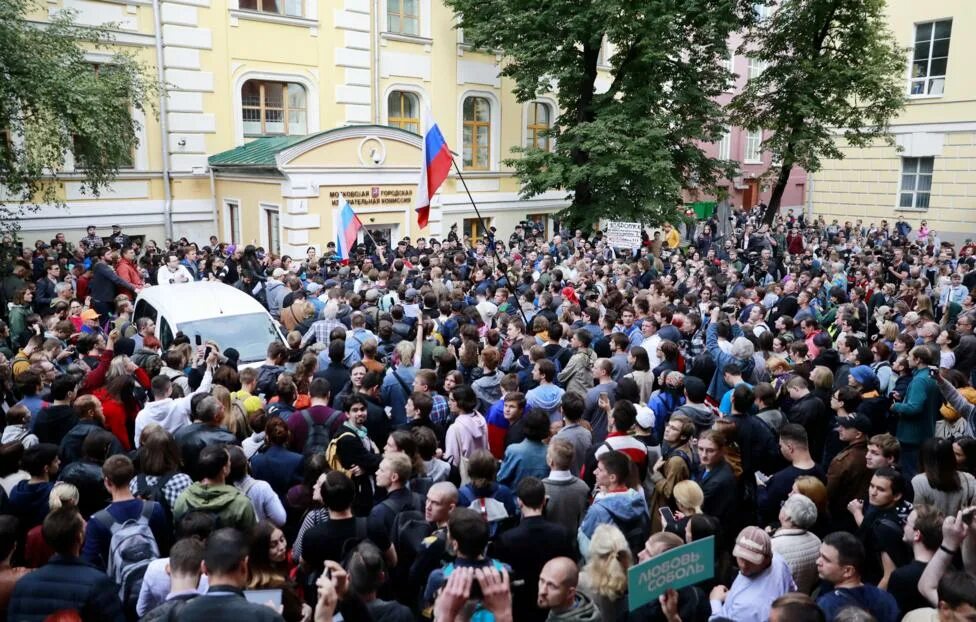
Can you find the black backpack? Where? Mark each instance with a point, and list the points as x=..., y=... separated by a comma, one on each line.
x=319, y=434
x=636, y=530
x=155, y=492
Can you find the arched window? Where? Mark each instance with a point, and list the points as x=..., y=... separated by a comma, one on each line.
x=477, y=133
x=270, y=108
x=540, y=120
x=404, y=111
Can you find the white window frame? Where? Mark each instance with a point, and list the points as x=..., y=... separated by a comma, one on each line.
x=229, y=220
x=928, y=79
x=914, y=192
x=495, y=136
x=311, y=100
x=266, y=210
x=752, y=137
x=725, y=145
x=756, y=67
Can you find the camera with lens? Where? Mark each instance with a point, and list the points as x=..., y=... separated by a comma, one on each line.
x=729, y=308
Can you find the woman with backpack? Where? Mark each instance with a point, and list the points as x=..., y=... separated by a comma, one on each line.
x=159, y=476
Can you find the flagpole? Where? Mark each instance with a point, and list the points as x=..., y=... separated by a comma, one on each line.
x=494, y=251
x=470, y=198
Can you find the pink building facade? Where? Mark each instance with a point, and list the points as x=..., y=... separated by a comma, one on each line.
x=744, y=147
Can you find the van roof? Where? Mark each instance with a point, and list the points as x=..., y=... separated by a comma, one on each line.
x=201, y=300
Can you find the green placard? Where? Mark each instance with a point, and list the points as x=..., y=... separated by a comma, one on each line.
x=674, y=569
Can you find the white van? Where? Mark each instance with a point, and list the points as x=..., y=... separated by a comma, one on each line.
x=214, y=311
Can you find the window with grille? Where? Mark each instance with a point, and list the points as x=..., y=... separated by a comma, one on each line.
x=270, y=108
x=540, y=120
x=476, y=133
x=916, y=182
x=930, y=57
x=403, y=17
x=404, y=111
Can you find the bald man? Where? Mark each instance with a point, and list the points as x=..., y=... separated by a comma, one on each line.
x=557, y=593
x=432, y=551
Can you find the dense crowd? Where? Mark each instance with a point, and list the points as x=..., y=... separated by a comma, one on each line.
x=475, y=429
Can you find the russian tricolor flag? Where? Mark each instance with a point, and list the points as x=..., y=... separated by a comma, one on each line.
x=436, y=166
x=347, y=226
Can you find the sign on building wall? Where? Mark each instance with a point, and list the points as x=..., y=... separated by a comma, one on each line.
x=624, y=234
x=373, y=195
x=674, y=569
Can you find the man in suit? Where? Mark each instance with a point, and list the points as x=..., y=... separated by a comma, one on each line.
x=528, y=546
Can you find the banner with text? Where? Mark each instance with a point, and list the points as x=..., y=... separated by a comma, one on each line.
x=674, y=569
x=624, y=234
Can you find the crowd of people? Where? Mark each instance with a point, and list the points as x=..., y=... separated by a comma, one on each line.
x=469, y=429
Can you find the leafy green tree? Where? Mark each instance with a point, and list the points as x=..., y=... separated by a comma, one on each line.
x=53, y=100
x=630, y=151
x=830, y=65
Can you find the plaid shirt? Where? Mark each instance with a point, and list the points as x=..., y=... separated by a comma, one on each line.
x=321, y=330
x=171, y=491
x=440, y=413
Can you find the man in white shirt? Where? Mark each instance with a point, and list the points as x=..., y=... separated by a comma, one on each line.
x=173, y=272
x=169, y=413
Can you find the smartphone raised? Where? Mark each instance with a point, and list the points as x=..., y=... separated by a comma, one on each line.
x=198, y=340
x=667, y=516
x=262, y=597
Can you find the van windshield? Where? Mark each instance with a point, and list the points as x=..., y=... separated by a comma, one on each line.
x=248, y=334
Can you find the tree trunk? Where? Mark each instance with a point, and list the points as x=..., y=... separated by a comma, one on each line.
x=778, y=191
x=583, y=190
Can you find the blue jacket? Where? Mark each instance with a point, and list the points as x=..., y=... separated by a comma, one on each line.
x=626, y=506
x=875, y=601
x=281, y=468
x=524, y=459
x=395, y=392
x=28, y=502
x=65, y=583
x=717, y=387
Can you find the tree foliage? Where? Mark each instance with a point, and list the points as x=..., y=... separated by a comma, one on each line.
x=831, y=66
x=630, y=151
x=54, y=101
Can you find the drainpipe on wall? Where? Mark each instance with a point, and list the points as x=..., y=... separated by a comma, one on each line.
x=213, y=199
x=163, y=123
x=809, y=197
x=376, y=62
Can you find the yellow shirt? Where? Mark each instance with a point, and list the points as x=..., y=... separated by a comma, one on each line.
x=673, y=238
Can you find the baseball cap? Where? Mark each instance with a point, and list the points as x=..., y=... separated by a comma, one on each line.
x=858, y=422
x=864, y=376
x=753, y=545
x=89, y=314
x=645, y=417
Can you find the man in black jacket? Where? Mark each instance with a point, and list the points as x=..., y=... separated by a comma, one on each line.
x=716, y=478
x=45, y=292
x=90, y=418
x=530, y=545
x=65, y=582
x=809, y=412
x=357, y=454
x=225, y=559
x=206, y=430
x=104, y=282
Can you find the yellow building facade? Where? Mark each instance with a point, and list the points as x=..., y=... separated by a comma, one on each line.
x=930, y=172
x=331, y=93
